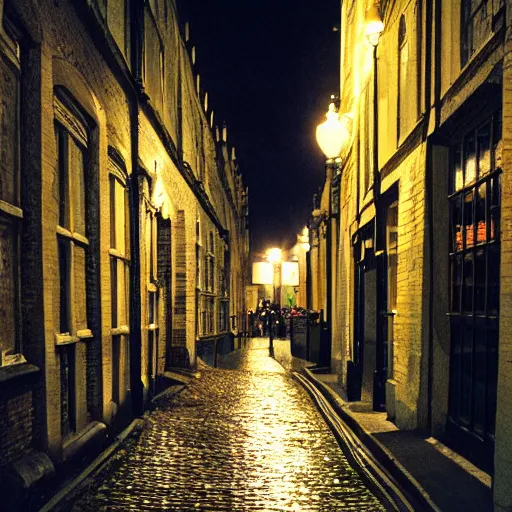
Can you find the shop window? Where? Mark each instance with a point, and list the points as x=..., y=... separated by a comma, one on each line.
x=11, y=214
x=474, y=277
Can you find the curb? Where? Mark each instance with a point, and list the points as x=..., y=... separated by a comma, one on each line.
x=63, y=493
x=383, y=456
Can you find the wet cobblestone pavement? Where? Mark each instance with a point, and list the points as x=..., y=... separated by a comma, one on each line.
x=240, y=439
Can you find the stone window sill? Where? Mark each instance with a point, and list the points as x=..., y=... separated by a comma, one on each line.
x=17, y=372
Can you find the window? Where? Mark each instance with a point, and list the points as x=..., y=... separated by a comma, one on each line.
x=118, y=20
x=224, y=293
x=474, y=277
x=199, y=258
x=11, y=214
x=418, y=35
x=210, y=265
x=392, y=278
x=119, y=280
x=153, y=62
x=403, y=62
x=72, y=138
x=153, y=295
x=476, y=25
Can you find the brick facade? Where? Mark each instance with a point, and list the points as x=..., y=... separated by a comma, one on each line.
x=108, y=307
x=434, y=87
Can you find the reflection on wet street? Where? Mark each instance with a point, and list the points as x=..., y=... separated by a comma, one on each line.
x=244, y=437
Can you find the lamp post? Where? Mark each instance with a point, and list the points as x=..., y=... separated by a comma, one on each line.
x=332, y=135
x=274, y=256
x=373, y=30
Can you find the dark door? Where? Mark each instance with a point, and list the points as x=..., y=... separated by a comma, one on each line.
x=385, y=262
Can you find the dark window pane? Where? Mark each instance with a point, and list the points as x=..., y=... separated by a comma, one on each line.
x=468, y=218
x=484, y=150
x=76, y=168
x=456, y=220
x=116, y=367
x=479, y=386
x=112, y=182
x=153, y=62
x=8, y=284
x=62, y=148
x=456, y=279
x=480, y=281
x=492, y=377
x=458, y=179
x=67, y=390
x=9, y=155
x=495, y=207
x=151, y=307
x=467, y=287
x=114, y=291
x=455, y=368
x=467, y=371
x=64, y=278
x=469, y=160
x=497, y=144
x=493, y=279
x=480, y=213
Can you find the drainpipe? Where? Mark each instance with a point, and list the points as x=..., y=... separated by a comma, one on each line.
x=137, y=20
x=379, y=378
x=429, y=72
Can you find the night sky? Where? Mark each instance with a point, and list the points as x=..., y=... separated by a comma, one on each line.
x=269, y=68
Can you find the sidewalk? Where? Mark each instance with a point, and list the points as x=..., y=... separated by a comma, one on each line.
x=422, y=465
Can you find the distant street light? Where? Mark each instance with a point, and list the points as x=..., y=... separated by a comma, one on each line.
x=274, y=256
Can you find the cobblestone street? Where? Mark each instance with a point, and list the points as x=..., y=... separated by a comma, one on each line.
x=244, y=437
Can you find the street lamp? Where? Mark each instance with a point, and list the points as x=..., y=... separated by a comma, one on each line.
x=332, y=135
x=274, y=256
x=373, y=25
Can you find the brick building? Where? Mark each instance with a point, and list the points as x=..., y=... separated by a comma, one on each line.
x=123, y=234
x=415, y=246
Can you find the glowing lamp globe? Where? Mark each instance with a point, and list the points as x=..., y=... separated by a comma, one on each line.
x=274, y=255
x=332, y=134
x=373, y=25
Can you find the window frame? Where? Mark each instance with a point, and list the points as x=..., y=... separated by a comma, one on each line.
x=403, y=42
x=71, y=123
x=12, y=214
x=473, y=327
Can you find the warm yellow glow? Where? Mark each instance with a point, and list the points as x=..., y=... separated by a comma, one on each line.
x=373, y=25
x=262, y=273
x=290, y=273
x=332, y=134
x=274, y=255
x=304, y=239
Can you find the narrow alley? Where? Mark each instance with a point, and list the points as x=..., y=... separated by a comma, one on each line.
x=243, y=438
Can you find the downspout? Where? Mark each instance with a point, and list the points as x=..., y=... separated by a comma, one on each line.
x=137, y=21
x=429, y=72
